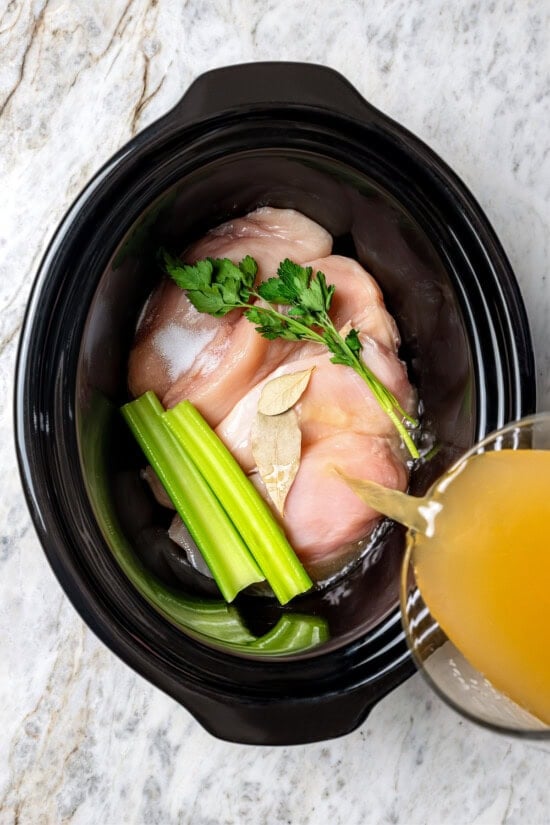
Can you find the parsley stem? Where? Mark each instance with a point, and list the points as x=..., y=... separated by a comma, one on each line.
x=292, y=322
x=385, y=398
x=379, y=390
x=389, y=404
x=382, y=394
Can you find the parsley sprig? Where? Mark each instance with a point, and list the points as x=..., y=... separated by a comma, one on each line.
x=217, y=286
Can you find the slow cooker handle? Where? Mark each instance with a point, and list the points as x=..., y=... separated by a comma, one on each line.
x=252, y=84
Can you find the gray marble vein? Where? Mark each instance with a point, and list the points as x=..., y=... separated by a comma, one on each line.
x=82, y=738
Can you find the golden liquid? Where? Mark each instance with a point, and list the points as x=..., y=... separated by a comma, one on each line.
x=485, y=573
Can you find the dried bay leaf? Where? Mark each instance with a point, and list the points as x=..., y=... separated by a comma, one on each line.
x=276, y=438
x=281, y=393
x=276, y=442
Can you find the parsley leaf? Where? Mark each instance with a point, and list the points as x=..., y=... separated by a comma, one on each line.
x=353, y=342
x=209, y=300
x=198, y=276
x=249, y=270
x=271, y=325
x=296, y=286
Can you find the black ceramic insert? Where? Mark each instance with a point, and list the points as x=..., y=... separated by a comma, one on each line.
x=287, y=135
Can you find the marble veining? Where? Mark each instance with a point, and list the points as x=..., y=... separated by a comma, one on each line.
x=82, y=738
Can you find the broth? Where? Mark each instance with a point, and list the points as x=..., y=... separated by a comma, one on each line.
x=485, y=573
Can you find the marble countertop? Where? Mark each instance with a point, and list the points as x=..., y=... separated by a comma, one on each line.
x=82, y=738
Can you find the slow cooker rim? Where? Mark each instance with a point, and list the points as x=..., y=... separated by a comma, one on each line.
x=67, y=227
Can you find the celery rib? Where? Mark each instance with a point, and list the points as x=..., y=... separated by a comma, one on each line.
x=244, y=505
x=214, y=619
x=223, y=549
x=292, y=632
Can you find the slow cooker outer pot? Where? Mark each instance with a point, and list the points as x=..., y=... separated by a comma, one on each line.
x=308, y=108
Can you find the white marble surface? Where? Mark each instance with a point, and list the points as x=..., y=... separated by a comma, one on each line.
x=82, y=738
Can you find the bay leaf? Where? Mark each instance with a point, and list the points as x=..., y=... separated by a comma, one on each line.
x=276, y=442
x=281, y=393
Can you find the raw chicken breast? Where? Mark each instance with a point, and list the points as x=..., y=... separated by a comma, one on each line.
x=181, y=353
x=171, y=334
x=322, y=514
x=269, y=235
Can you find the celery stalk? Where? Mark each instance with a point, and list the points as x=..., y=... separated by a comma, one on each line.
x=223, y=549
x=292, y=632
x=244, y=505
x=214, y=619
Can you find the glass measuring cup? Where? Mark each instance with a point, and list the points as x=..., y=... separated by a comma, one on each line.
x=475, y=585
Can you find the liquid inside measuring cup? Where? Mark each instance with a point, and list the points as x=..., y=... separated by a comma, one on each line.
x=481, y=559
